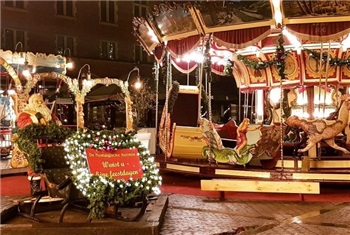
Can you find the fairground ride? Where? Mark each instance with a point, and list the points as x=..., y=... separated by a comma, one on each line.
x=292, y=57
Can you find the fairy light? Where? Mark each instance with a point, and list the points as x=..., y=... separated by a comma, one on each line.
x=90, y=185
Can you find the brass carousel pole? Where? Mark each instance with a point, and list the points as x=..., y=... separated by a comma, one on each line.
x=167, y=86
x=281, y=124
x=326, y=77
x=156, y=77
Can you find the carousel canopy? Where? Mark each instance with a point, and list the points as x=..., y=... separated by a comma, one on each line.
x=312, y=35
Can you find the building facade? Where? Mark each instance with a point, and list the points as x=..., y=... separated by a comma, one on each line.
x=98, y=33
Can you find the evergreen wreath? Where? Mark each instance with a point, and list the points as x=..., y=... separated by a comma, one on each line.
x=104, y=191
x=26, y=140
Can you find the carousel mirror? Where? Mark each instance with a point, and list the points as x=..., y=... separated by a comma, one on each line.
x=325, y=102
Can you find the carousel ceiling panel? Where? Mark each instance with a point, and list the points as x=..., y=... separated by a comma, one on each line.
x=317, y=20
x=173, y=21
x=217, y=16
x=145, y=34
x=317, y=11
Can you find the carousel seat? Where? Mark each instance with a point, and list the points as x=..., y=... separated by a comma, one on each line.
x=59, y=192
x=228, y=133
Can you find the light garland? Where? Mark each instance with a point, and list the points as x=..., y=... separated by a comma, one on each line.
x=103, y=191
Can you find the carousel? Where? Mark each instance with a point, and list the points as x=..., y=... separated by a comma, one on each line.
x=291, y=63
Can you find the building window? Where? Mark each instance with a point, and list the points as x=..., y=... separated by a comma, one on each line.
x=64, y=45
x=108, y=11
x=108, y=50
x=14, y=4
x=10, y=37
x=140, y=55
x=140, y=9
x=65, y=8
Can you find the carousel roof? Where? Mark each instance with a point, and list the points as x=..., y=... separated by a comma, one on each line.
x=309, y=20
x=251, y=29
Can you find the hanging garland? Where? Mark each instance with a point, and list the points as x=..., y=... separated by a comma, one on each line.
x=332, y=61
x=174, y=92
x=254, y=64
x=228, y=68
x=279, y=60
x=26, y=140
x=103, y=191
x=280, y=57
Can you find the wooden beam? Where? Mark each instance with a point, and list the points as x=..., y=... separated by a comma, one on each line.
x=183, y=168
x=261, y=186
x=321, y=176
x=243, y=173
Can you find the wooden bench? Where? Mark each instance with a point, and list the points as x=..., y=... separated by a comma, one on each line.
x=262, y=186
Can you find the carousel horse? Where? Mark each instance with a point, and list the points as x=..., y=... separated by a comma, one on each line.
x=215, y=151
x=322, y=129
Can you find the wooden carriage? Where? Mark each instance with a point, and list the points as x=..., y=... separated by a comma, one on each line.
x=180, y=134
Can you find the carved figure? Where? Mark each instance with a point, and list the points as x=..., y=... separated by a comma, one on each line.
x=242, y=130
x=321, y=129
x=215, y=151
x=36, y=112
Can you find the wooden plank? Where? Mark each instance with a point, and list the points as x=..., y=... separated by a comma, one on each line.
x=287, y=164
x=243, y=173
x=321, y=176
x=319, y=164
x=330, y=164
x=183, y=168
x=261, y=186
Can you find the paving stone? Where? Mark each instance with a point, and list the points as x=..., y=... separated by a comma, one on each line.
x=193, y=215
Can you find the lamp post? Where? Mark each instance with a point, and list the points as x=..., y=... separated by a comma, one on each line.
x=69, y=64
x=79, y=98
x=128, y=102
x=19, y=44
x=88, y=75
x=138, y=83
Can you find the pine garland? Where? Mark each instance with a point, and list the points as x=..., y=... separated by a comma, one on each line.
x=103, y=191
x=332, y=61
x=26, y=140
x=279, y=60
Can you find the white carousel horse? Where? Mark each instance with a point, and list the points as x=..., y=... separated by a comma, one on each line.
x=321, y=129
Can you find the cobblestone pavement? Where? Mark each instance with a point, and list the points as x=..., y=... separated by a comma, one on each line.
x=193, y=215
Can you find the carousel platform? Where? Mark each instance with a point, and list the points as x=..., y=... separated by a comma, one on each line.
x=288, y=175
x=329, y=169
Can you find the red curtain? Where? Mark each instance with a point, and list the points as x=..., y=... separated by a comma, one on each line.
x=320, y=32
x=241, y=38
x=180, y=47
x=183, y=66
x=218, y=69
